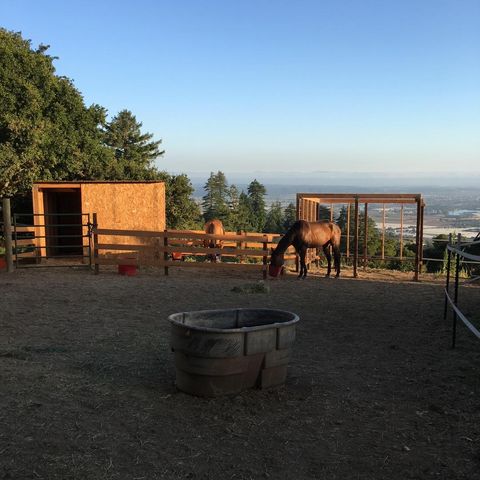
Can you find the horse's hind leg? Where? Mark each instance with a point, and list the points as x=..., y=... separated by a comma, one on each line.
x=326, y=251
x=336, y=260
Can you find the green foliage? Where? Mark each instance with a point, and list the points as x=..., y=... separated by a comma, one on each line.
x=245, y=219
x=290, y=216
x=436, y=249
x=216, y=198
x=374, y=241
x=275, y=219
x=240, y=216
x=181, y=210
x=46, y=131
x=237, y=211
x=324, y=213
x=256, y=193
x=134, y=151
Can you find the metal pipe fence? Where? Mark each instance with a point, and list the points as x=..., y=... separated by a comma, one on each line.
x=456, y=254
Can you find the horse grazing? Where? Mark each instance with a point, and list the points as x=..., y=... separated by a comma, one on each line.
x=303, y=235
x=213, y=227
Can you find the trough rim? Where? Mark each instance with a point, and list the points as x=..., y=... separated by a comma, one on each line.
x=174, y=321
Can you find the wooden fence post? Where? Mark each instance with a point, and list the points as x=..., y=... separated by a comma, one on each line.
x=355, y=239
x=165, y=253
x=265, y=257
x=95, y=244
x=417, y=241
x=7, y=230
x=365, y=238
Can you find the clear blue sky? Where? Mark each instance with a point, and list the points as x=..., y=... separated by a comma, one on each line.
x=246, y=86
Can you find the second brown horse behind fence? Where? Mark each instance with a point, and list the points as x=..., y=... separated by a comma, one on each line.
x=214, y=227
x=303, y=235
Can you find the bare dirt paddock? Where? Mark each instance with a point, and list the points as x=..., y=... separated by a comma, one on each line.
x=374, y=390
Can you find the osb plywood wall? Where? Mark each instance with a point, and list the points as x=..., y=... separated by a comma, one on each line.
x=129, y=206
x=126, y=206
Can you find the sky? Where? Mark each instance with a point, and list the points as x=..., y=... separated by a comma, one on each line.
x=270, y=86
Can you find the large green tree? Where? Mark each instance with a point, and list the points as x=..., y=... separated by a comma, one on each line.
x=374, y=241
x=216, y=198
x=134, y=151
x=275, y=219
x=256, y=193
x=46, y=131
x=182, y=211
x=290, y=216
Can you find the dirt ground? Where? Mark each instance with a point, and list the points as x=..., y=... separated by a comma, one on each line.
x=374, y=390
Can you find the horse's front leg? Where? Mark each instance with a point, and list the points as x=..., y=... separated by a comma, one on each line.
x=303, y=264
x=326, y=251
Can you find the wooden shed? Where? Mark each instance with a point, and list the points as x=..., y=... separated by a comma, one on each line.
x=61, y=209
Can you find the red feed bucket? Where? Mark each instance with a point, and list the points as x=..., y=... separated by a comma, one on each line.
x=129, y=270
x=274, y=271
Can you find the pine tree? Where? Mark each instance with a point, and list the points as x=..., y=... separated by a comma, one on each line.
x=256, y=193
x=134, y=151
x=275, y=219
x=215, y=200
x=182, y=211
x=245, y=220
x=290, y=216
x=374, y=241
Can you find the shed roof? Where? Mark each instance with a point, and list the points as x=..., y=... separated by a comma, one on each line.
x=70, y=182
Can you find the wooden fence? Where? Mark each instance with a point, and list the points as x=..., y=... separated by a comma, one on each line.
x=183, y=248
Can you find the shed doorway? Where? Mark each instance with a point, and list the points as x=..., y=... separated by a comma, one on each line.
x=63, y=222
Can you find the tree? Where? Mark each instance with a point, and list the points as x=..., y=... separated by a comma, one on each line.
x=182, y=211
x=245, y=220
x=374, y=241
x=275, y=219
x=134, y=151
x=46, y=131
x=234, y=220
x=436, y=250
x=290, y=216
x=323, y=213
x=215, y=200
x=256, y=193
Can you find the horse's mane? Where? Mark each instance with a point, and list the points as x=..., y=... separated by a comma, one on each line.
x=287, y=239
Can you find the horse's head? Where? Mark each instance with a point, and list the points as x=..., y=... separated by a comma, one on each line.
x=276, y=263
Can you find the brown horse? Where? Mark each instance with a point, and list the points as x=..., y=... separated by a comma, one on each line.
x=303, y=235
x=214, y=227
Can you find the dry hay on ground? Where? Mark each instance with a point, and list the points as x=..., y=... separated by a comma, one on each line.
x=373, y=392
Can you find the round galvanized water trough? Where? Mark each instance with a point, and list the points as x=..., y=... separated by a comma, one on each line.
x=220, y=352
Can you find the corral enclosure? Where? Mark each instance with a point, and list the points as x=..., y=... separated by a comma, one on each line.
x=373, y=389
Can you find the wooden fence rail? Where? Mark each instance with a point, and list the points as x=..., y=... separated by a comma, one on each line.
x=169, y=247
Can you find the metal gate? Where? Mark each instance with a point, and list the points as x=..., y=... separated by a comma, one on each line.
x=52, y=240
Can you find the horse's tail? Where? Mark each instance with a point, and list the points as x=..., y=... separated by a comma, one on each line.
x=335, y=240
x=336, y=236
